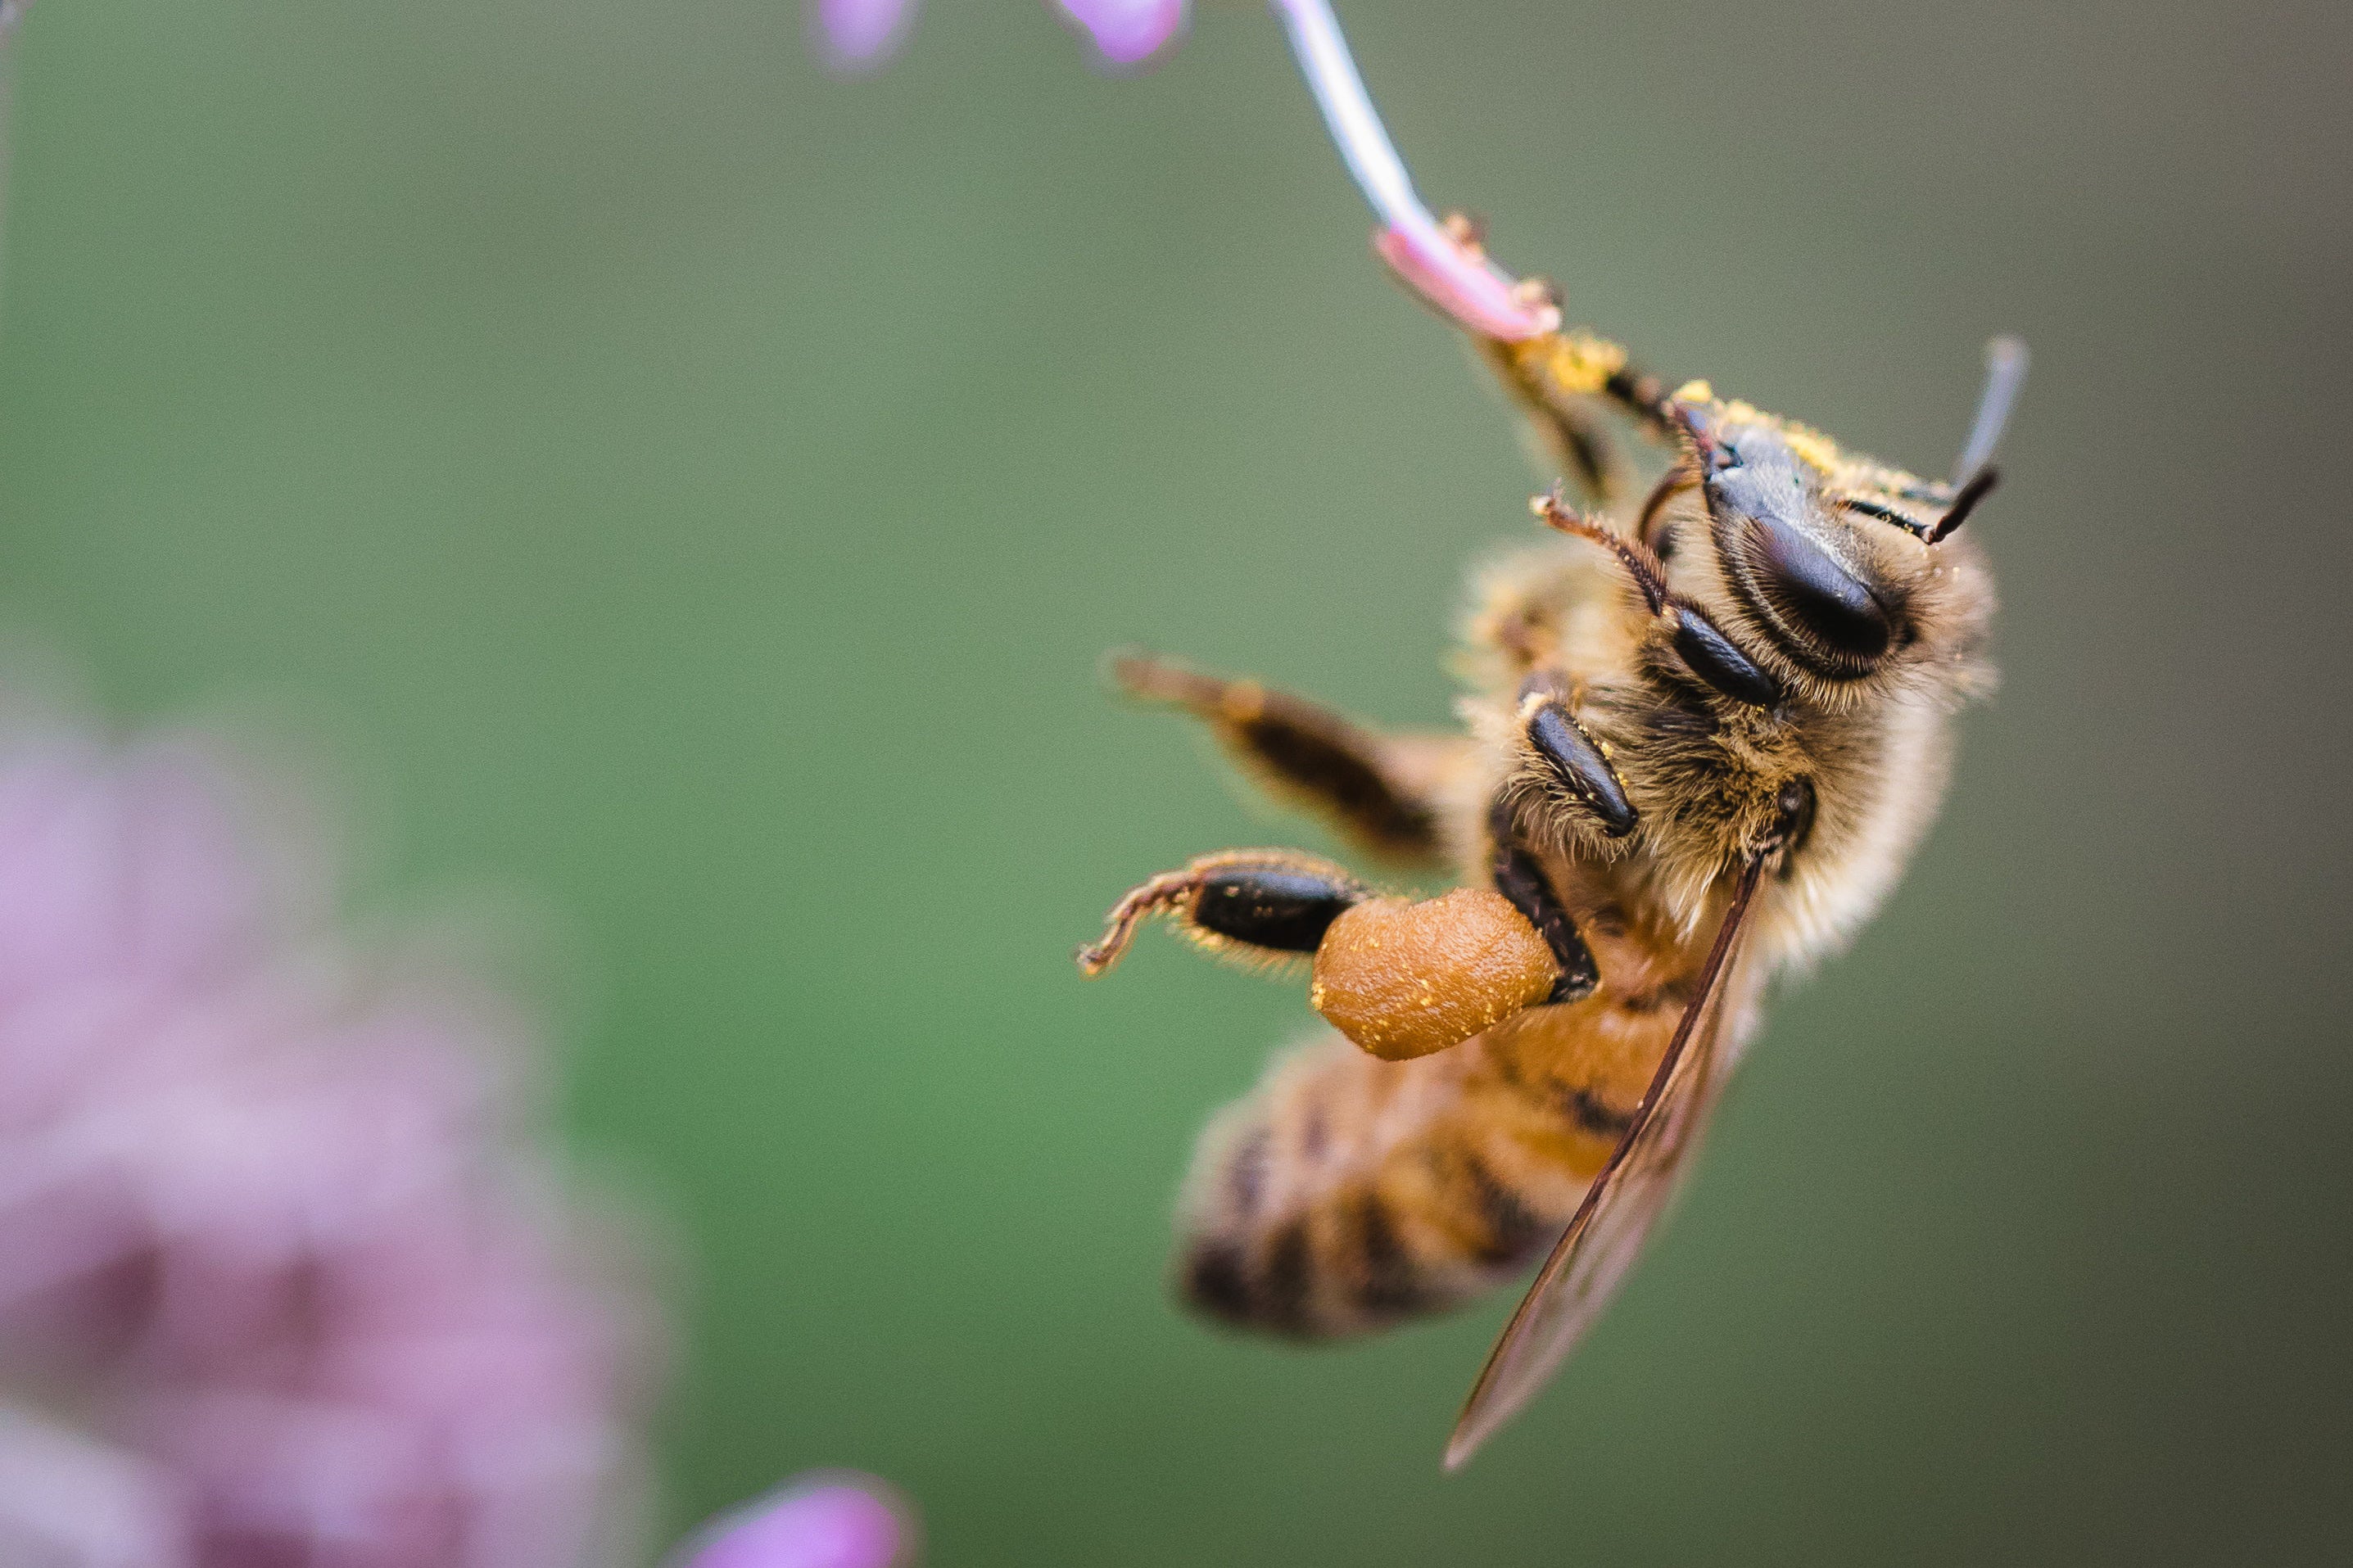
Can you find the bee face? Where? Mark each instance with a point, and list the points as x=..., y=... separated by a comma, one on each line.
x=1832, y=569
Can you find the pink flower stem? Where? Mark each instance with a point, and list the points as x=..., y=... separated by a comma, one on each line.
x=1450, y=274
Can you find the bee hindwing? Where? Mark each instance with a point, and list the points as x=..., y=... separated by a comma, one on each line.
x=1594, y=1253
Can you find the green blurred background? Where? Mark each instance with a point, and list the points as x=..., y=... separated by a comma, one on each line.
x=697, y=491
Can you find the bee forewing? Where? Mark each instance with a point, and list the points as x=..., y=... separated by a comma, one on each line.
x=1594, y=1253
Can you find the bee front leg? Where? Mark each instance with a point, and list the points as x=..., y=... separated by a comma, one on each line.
x=1563, y=764
x=1562, y=380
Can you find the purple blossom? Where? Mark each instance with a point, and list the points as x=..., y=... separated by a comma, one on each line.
x=281, y=1280
x=1126, y=32
x=855, y=35
x=837, y=1521
x=859, y=35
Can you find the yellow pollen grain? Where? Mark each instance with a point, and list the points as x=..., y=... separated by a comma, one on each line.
x=1813, y=448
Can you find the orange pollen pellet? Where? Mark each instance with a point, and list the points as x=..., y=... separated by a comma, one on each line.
x=1403, y=979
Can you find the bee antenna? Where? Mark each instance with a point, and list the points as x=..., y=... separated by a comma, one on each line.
x=1687, y=417
x=2006, y=361
x=1977, y=490
x=1649, y=576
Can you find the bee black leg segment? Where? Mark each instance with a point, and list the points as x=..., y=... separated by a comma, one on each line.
x=1252, y=903
x=1562, y=380
x=1577, y=765
x=1717, y=659
x=1520, y=879
x=1375, y=788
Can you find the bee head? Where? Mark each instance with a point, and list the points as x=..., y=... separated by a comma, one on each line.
x=1840, y=565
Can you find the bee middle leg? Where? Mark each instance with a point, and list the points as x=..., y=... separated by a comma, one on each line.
x=1377, y=790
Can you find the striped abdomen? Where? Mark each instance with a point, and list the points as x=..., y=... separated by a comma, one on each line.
x=1345, y=1192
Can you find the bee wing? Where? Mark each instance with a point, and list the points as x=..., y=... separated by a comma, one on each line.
x=1602, y=1240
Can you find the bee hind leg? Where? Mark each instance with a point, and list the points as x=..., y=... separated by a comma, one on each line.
x=1377, y=790
x=1405, y=978
x=1400, y=977
x=1520, y=879
x=1259, y=906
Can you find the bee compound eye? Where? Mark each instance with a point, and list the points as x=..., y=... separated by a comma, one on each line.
x=1814, y=596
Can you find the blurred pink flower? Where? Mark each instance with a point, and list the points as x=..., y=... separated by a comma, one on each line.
x=825, y=1521
x=859, y=35
x=1126, y=32
x=280, y=1283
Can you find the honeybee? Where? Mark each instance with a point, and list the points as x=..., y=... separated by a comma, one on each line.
x=1702, y=736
